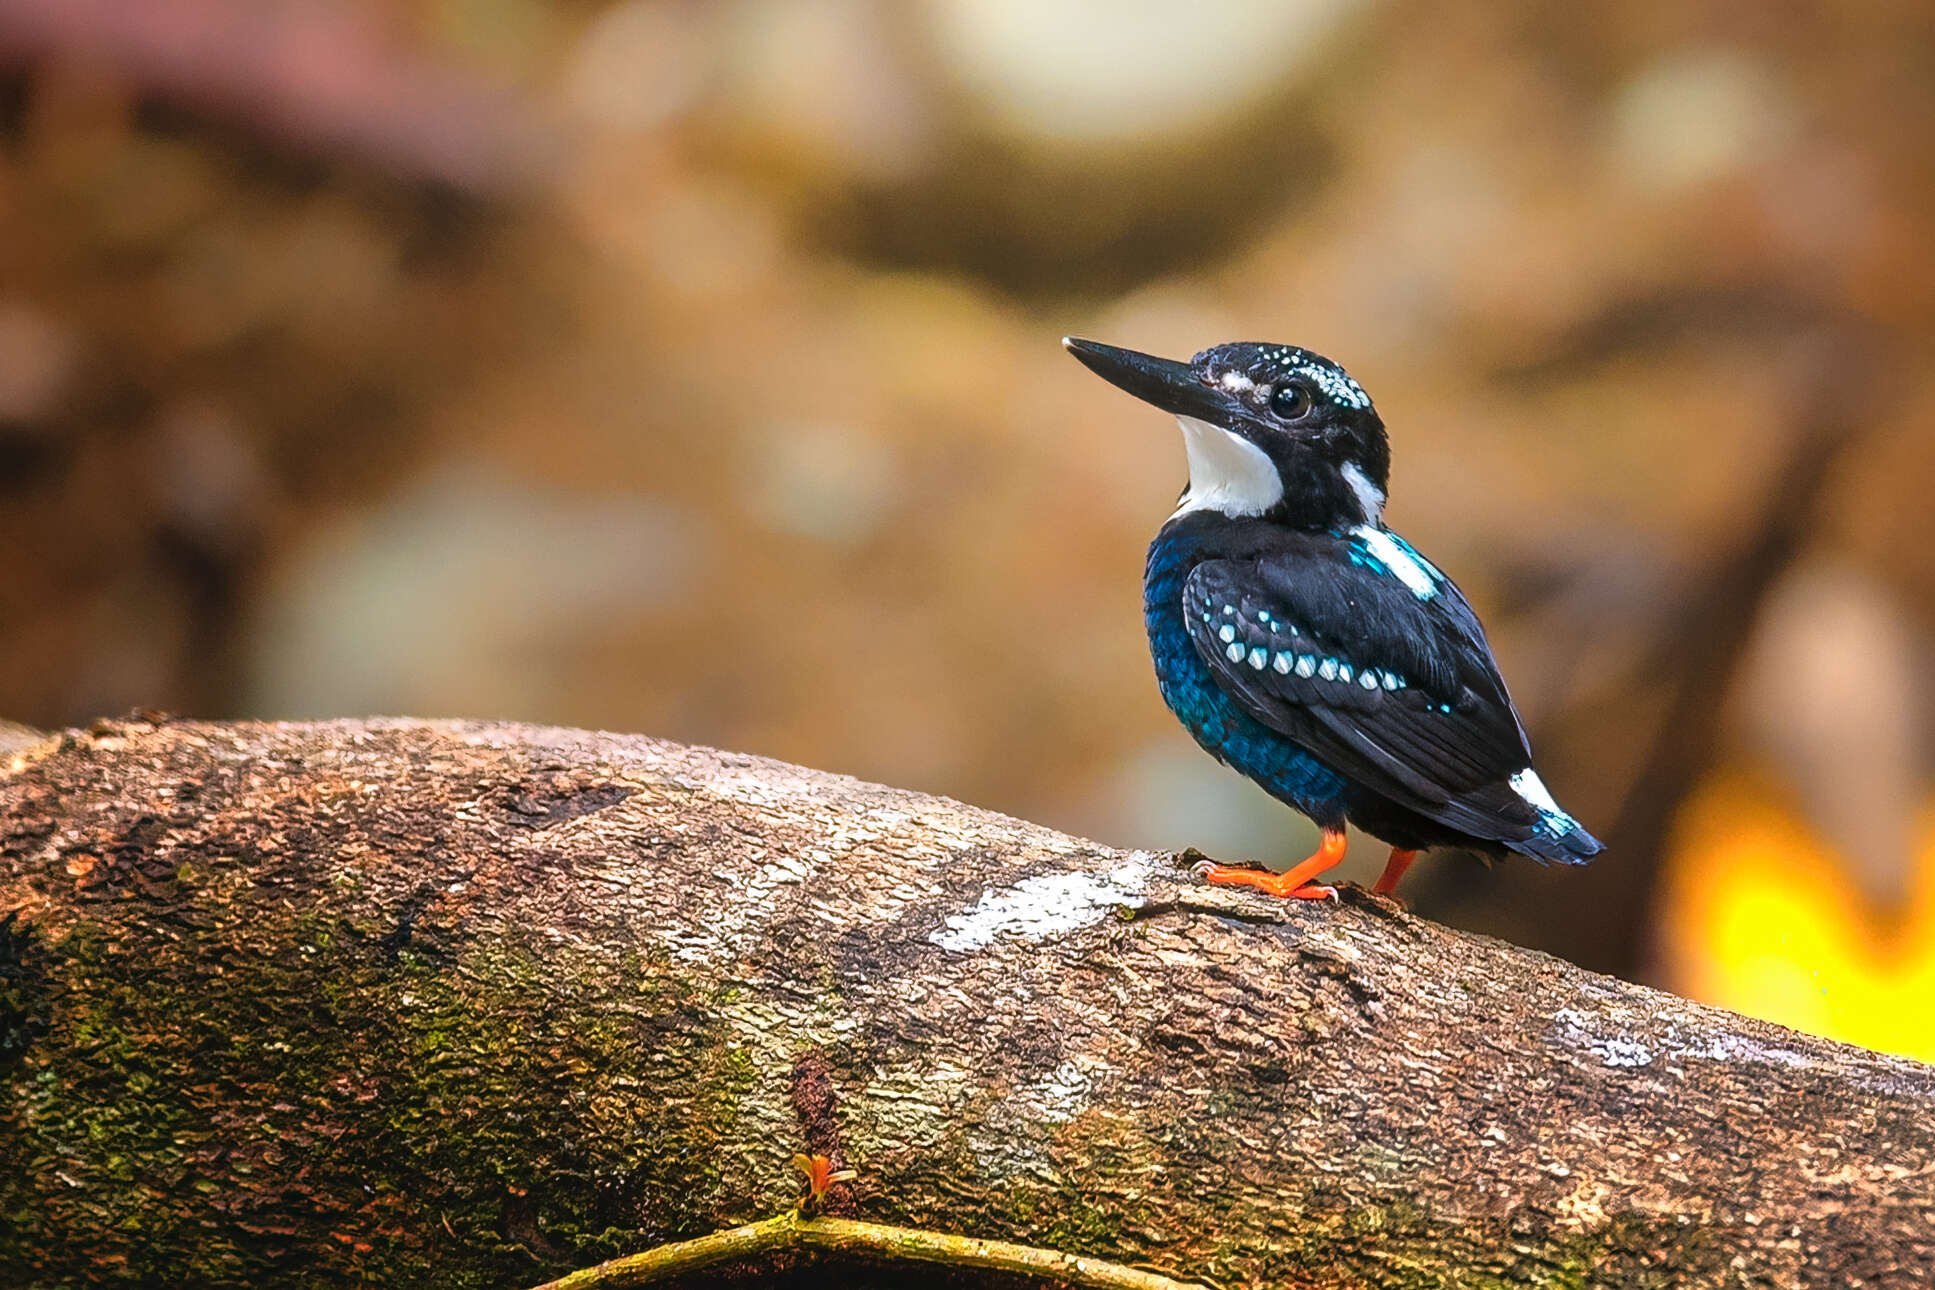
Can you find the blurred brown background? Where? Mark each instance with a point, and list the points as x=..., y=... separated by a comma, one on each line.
x=692, y=369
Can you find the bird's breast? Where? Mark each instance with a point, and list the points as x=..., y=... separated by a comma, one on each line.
x=1186, y=684
x=1215, y=720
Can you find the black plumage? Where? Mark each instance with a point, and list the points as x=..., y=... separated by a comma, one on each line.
x=1307, y=645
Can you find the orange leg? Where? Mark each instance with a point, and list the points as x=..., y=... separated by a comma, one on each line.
x=1294, y=882
x=1393, y=870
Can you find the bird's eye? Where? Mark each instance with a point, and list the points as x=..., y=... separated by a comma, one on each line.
x=1291, y=400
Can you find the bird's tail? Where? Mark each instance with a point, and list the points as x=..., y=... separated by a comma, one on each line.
x=1555, y=837
x=1519, y=814
x=1571, y=846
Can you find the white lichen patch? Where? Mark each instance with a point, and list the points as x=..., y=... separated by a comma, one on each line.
x=1048, y=905
x=1721, y=1047
x=1577, y=1030
x=1060, y=1095
x=1665, y=1037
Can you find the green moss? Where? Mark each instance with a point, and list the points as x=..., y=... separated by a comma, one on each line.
x=361, y=1112
x=258, y=1090
x=1080, y=1206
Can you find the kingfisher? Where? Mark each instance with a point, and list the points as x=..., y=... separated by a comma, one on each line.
x=1307, y=646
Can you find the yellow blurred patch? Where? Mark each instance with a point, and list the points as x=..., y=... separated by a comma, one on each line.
x=1760, y=918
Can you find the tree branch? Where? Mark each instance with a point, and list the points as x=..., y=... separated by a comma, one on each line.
x=458, y=1004
x=789, y=1231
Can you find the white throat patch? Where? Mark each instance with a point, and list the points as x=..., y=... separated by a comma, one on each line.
x=1227, y=472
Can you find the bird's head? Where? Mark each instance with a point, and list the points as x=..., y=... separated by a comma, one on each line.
x=1272, y=431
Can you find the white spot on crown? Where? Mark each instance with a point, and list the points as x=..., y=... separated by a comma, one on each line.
x=1336, y=384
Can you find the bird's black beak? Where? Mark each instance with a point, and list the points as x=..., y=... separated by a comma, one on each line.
x=1176, y=388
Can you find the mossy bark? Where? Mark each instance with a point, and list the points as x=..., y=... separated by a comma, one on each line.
x=473, y=1005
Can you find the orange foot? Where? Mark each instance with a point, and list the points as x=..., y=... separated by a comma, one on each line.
x=1293, y=883
x=1393, y=870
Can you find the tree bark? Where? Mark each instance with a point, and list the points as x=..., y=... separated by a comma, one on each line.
x=446, y=1004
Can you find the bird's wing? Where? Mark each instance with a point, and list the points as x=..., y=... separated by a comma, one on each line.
x=1386, y=679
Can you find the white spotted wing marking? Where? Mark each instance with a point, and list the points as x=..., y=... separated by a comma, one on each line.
x=1257, y=637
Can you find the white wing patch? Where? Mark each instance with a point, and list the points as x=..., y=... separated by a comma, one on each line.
x=1529, y=786
x=1407, y=568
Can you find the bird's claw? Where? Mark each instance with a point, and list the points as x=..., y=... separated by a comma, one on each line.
x=1284, y=886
